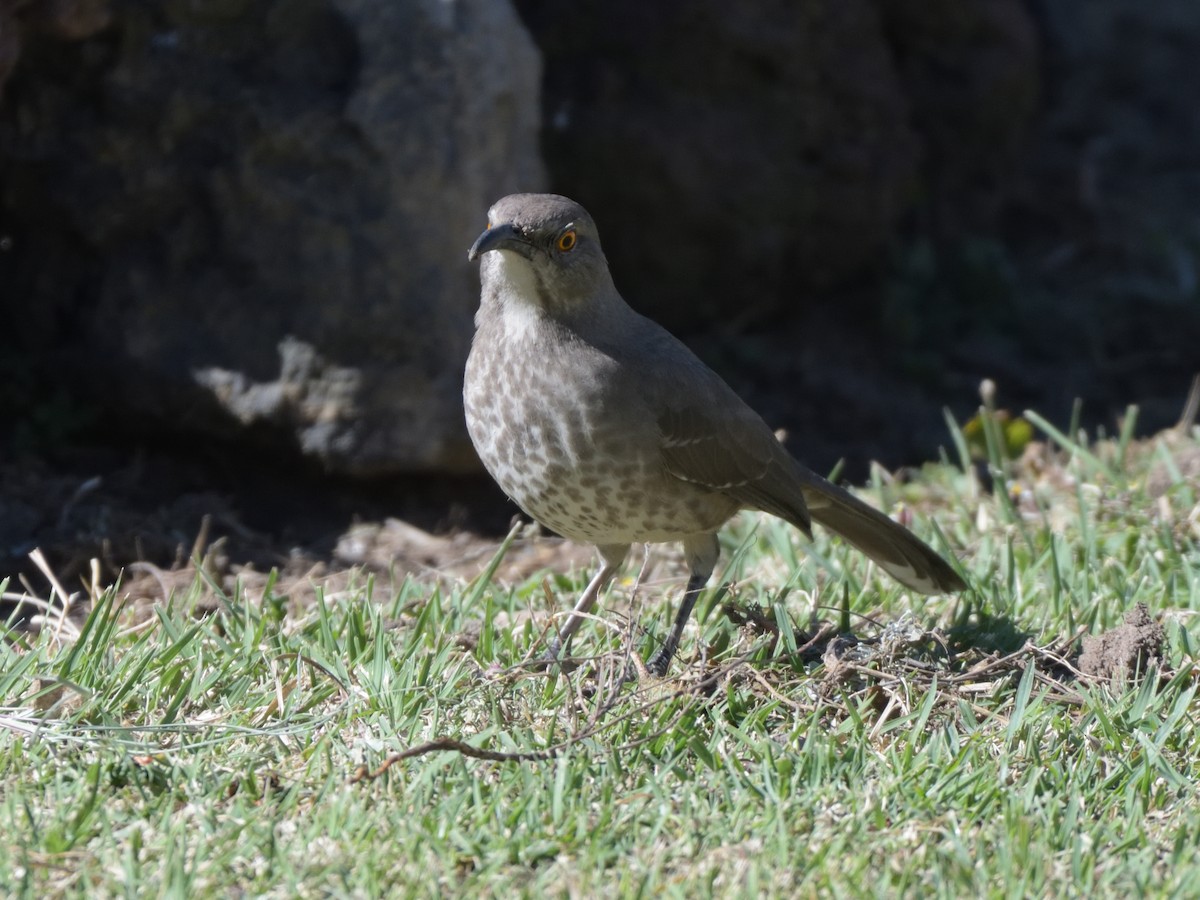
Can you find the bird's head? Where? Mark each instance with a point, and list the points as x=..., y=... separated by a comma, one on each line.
x=542, y=249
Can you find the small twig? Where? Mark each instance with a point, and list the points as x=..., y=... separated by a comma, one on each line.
x=362, y=773
x=867, y=672
x=1059, y=660
x=988, y=666
x=1056, y=690
x=365, y=774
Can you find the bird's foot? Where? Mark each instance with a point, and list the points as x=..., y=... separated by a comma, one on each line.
x=660, y=662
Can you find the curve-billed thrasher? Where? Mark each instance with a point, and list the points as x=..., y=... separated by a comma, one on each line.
x=605, y=428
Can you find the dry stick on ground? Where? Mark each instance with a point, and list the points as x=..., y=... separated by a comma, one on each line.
x=1002, y=665
x=699, y=688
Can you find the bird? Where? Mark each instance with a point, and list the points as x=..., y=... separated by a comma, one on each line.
x=605, y=428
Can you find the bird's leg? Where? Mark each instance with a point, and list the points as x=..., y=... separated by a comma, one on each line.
x=702, y=552
x=612, y=556
x=661, y=661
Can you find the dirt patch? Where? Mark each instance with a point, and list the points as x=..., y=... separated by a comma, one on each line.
x=1126, y=651
x=153, y=519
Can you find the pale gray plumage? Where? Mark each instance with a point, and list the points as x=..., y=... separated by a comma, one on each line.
x=605, y=428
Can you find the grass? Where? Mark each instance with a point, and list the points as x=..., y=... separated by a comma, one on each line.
x=951, y=751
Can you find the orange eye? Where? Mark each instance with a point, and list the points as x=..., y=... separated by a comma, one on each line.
x=566, y=241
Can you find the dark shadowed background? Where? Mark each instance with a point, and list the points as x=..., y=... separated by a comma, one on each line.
x=233, y=233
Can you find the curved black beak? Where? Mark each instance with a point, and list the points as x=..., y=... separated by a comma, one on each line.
x=500, y=237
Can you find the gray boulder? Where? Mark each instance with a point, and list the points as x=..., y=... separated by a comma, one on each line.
x=257, y=213
x=770, y=151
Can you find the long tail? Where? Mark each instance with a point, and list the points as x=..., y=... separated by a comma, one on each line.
x=893, y=547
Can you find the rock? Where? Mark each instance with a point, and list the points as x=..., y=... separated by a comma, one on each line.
x=69, y=20
x=252, y=212
x=971, y=75
x=769, y=151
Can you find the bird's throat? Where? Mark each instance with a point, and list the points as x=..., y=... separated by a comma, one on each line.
x=517, y=294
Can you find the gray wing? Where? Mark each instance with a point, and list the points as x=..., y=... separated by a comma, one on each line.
x=749, y=464
x=725, y=447
x=710, y=437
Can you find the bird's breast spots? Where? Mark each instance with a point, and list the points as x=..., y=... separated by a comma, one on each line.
x=531, y=439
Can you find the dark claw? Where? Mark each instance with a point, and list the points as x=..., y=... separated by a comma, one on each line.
x=660, y=662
